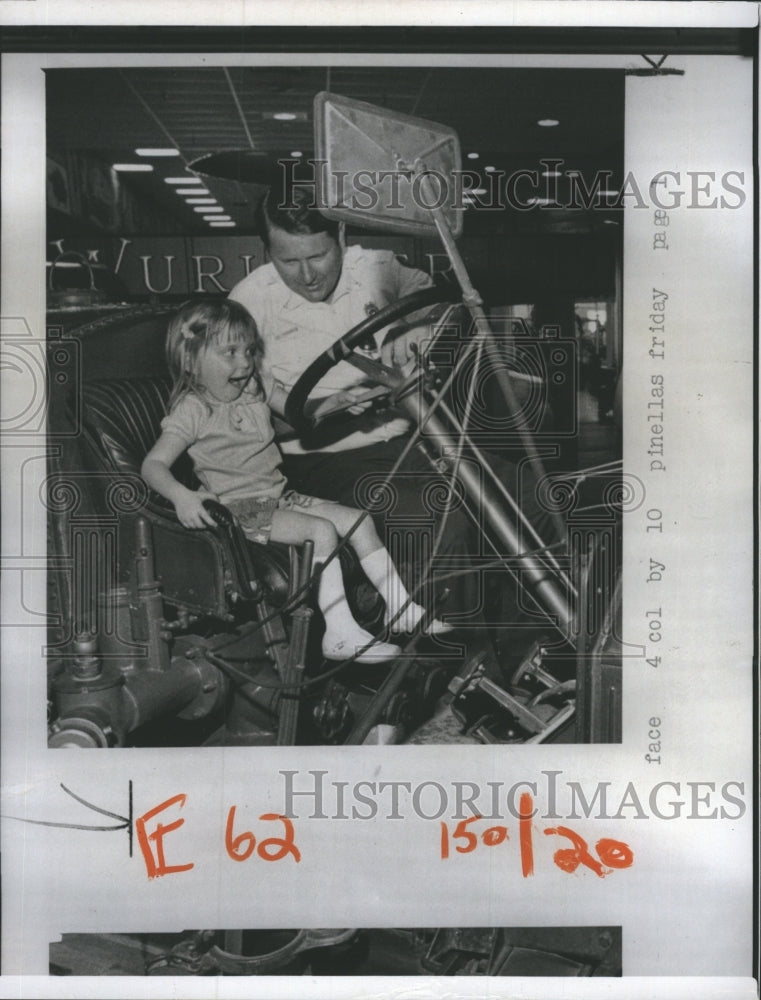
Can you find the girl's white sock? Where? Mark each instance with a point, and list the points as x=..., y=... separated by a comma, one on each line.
x=381, y=572
x=344, y=636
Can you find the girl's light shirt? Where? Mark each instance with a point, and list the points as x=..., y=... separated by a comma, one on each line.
x=232, y=445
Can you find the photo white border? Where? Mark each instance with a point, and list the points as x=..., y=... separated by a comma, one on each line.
x=24, y=202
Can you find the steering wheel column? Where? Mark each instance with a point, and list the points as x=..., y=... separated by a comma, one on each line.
x=508, y=528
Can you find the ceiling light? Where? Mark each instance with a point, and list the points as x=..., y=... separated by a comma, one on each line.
x=296, y=153
x=474, y=156
x=191, y=191
x=551, y=173
x=157, y=152
x=477, y=191
x=542, y=202
x=221, y=225
x=608, y=193
x=207, y=208
x=285, y=116
x=548, y=122
x=142, y=168
x=489, y=170
x=183, y=180
x=201, y=201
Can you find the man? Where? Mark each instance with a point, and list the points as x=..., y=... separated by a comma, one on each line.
x=311, y=292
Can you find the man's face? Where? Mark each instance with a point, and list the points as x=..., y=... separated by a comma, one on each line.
x=309, y=264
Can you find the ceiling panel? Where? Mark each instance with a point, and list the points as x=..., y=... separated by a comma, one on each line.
x=108, y=112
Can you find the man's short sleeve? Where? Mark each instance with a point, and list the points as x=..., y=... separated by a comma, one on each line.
x=251, y=293
x=410, y=279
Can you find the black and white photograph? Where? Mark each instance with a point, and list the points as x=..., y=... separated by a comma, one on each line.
x=424, y=544
x=377, y=441
x=420, y=951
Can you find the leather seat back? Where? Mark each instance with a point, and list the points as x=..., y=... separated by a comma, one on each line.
x=122, y=418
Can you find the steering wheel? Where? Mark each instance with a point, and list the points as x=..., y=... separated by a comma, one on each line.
x=343, y=348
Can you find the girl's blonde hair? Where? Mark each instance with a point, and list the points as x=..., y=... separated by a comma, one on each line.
x=198, y=325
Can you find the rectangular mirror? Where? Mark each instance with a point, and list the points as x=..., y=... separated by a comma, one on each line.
x=365, y=176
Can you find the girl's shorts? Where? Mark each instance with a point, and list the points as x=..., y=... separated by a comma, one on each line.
x=255, y=515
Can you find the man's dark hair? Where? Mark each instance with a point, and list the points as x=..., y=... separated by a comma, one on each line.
x=292, y=210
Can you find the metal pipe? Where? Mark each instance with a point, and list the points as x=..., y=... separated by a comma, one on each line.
x=296, y=659
x=379, y=702
x=474, y=303
x=552, y=598
x=149, y=694
x=150, y=602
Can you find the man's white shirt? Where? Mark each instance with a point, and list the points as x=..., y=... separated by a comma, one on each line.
x=296, y=331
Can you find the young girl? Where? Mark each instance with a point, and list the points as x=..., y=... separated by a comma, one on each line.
x=219, y=412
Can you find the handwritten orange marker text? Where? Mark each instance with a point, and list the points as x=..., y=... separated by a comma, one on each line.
x=611, y=853
x=151, y=832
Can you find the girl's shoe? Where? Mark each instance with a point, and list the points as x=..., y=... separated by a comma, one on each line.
x=346, y=648
x=409, y=620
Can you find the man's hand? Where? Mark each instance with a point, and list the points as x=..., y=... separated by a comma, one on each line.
x=399, y=348
x=340, y=402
